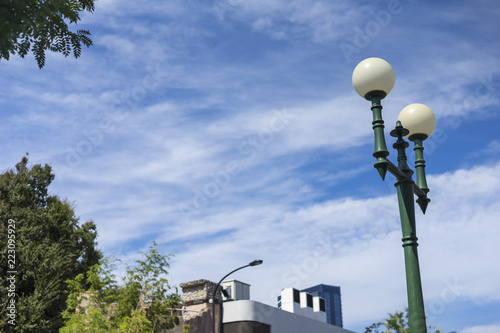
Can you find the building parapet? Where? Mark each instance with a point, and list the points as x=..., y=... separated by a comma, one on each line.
x=198, y=292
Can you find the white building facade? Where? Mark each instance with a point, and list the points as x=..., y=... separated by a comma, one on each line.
x=246, y=316
x=300, y=312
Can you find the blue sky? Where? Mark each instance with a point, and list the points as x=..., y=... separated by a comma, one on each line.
x=228, y=130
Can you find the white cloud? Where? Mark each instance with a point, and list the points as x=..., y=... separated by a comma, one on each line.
x=321, y=21
x=482, y=329
x=356, y=244
x=117, y=45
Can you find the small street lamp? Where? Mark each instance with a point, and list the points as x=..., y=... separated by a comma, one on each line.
x=216, y=288
x=373, y=79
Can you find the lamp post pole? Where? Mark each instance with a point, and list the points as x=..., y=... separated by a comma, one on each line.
x=216, y=288
x=405, y=189
x=374, y=79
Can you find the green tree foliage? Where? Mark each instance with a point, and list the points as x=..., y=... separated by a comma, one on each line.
x=50, y=248
x=396, y=323
x=89, y=310
x=40, y=25
x=143, y=303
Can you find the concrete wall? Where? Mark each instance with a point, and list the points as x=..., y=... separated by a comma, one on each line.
x=195, y=297
x=198, y=292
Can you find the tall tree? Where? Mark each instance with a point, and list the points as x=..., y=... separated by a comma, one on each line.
x=40, y=25
x=45, y=246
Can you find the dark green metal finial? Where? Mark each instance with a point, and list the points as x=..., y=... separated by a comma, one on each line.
x=380, y=151
x=400, y=145
x=422, y=201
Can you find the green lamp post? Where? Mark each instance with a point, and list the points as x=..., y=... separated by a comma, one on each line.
x=373, y=79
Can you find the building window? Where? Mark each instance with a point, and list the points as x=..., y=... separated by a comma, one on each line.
x=322, y=305
x=309, y=300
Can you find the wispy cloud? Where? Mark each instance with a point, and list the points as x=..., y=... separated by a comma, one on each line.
x=481, y=329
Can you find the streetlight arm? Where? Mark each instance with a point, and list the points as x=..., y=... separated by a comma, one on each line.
x=218, y=284
x=420, y=189
x=421, y=193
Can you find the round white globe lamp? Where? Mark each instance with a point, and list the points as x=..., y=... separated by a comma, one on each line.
x=373, y=77
x=419, y=120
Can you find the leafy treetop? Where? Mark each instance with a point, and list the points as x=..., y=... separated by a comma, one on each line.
x=143, y=303
x=40, y=25
x=50, y=248
x=396, y=323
